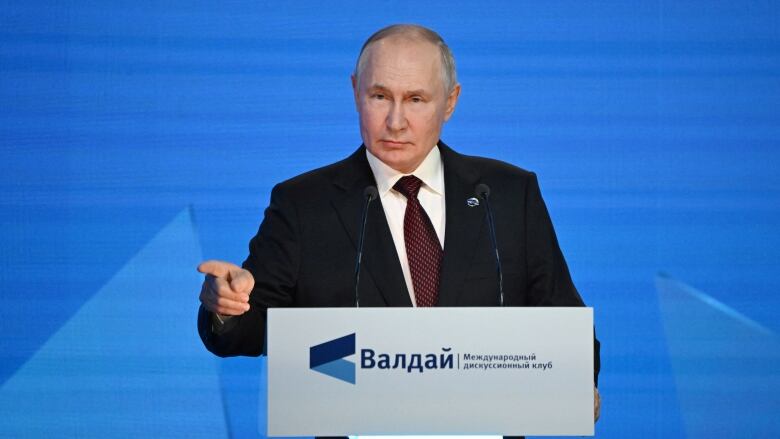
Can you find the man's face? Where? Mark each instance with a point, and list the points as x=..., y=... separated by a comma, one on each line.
x=402, y=101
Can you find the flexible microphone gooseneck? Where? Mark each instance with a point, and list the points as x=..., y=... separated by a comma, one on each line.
x=369, y=194
x=483, y=191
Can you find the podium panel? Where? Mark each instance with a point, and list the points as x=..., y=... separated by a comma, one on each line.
x=430, y=371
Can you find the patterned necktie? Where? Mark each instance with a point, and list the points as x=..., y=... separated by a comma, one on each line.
x=422, y=244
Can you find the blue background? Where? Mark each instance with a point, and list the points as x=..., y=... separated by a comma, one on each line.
x=137, y=138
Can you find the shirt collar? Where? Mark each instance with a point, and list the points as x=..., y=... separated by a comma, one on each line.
x=430, y=172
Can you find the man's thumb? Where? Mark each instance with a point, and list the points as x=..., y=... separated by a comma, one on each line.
x=242, y=281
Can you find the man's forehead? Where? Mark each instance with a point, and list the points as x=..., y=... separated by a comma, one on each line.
x=402, y=45
x=404, y=59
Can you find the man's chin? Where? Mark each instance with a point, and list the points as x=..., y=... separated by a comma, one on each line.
x=400, y=157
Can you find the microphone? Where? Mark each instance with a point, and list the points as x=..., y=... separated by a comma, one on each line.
x=369, y=194
x=483, y=191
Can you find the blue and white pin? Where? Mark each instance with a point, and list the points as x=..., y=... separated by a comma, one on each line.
x=472, y=202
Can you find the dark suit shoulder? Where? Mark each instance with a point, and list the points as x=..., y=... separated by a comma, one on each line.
x=336, y=172
x=311, y=179
x=320, y=181
x=499, y=167
x=491, y=171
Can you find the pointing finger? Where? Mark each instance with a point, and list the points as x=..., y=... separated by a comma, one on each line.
x=216, y=268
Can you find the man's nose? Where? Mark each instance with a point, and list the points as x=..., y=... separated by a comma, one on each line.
x=396, y=119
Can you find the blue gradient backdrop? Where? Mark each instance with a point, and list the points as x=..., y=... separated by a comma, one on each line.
x=138, y=137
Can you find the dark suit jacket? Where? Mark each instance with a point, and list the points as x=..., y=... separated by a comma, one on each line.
x=304, y=252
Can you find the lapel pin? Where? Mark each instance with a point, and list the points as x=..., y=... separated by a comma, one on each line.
x=472, y=202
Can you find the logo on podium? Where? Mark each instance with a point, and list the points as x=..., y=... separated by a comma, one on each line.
x=329, y=358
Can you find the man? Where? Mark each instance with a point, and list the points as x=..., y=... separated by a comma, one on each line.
x=424, y=244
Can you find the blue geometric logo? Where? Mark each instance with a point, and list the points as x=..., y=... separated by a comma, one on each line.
x=328, y=358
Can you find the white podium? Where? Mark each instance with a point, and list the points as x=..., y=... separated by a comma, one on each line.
x=430, y=371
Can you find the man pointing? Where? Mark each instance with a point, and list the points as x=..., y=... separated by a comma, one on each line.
x=424, y=246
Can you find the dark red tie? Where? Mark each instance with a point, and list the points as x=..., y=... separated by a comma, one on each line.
x=422, y=245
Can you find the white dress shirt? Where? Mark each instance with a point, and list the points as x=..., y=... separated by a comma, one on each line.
x=431, y=196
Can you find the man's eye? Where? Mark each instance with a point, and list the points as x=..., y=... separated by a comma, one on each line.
x=378, y=96
x=416, y=99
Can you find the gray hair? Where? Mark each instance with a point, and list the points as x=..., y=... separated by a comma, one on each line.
x=414, y=31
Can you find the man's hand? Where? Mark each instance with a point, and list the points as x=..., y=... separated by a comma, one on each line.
x=596, y=405
x=226, y=288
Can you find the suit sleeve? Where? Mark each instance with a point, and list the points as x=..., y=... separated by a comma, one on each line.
x=274, y=258
x=550, y=283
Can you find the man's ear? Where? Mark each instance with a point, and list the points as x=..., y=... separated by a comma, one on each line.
x=452, y=100
x=355, y=91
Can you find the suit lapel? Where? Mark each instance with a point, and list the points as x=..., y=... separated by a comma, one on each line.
x=380, y=259
x=463, y=225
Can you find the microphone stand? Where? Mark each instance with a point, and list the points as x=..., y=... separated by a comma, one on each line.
x=369, y=194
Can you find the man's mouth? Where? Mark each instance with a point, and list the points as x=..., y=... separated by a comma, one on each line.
x=394, y=143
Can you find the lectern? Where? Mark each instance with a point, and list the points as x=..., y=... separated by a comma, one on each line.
x=437, y=371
